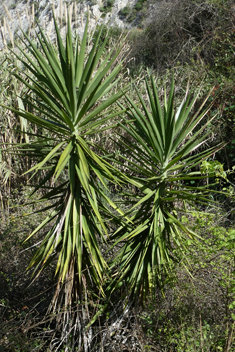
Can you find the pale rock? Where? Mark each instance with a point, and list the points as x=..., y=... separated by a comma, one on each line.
x=44, y=16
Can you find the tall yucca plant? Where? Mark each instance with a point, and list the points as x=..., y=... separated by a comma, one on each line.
x=165, y=147
x=68, y=93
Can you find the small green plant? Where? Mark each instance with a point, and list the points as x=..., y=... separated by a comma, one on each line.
x=130, y=14
x=125, y=11
x=107, y=7
x=110, y=3
x=138, y=5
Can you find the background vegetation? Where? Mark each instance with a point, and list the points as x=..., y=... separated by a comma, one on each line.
x=194, y=311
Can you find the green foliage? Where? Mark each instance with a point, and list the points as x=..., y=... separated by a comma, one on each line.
x=135, y=13
x=108, y=6
x=139, y=5
x=214, y=168
x=125, y=11
x=17, y=303
x=162, y=157
x=217, y=251
x=197, y=311
x=110, y=3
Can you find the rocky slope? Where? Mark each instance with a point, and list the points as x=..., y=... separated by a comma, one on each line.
x=16, y=14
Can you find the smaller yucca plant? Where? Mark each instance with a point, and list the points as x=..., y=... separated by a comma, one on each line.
x=163, y=149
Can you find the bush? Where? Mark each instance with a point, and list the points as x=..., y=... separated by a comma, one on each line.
x=124, y=12
x=110, y=3
x=180, y=31
x=107, y=7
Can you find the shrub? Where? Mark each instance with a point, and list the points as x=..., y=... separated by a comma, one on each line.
x=179, y=31
x=124, y=12
x=110, y=3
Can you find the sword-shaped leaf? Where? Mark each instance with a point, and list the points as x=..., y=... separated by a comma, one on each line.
x=164, y=161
